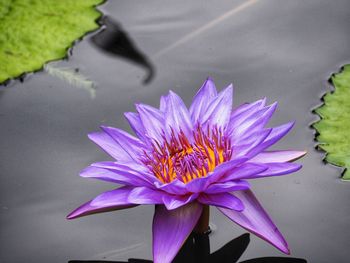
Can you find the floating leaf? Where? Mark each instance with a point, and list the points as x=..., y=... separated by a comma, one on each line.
x=34, y=32
x=74, y=78
x=334, y=124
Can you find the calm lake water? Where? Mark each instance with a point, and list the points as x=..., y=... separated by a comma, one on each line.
x=285, y=51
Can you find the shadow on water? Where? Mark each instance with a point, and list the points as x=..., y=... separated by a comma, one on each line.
x=114, y=40
x=197, y=250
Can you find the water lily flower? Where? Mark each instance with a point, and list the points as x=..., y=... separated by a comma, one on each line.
x=182, y=160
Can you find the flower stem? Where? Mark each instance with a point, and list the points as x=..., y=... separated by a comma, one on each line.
x=203, y=222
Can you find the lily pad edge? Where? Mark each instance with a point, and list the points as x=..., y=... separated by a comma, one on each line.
x=69, y=51
x=318, y=145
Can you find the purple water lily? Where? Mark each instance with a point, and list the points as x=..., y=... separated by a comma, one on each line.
x=184, y=159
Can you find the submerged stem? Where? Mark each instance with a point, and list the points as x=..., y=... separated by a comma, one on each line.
x=203, y=222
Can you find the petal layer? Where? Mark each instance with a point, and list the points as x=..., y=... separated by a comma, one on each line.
x=145, y=196
x=202, y=99
x=227, y=187
x=172, y=201
x=225, y=200
x=218, y=112
x=276, y=134
x=171, y=228
x=105, y=204
x=275, y=169
x=117, y=176
x=256, y=220
x=153, y=122
x=177, y=116
x=131, y=145
x=277, y=156
x=110, y=146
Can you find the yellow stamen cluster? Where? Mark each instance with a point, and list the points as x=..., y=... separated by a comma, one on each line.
x=186, y=159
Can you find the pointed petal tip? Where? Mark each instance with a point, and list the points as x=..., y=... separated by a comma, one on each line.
x=174, y=94
x=291, y=123
x=303, y=153
x=287, y=251
x=92, y=135
x=274, y=105
x=299, y=155
x=255, y=219
x=284, y=248
x=208, y=81
x=298, y=167
x=83, y=172
x=139, y=106
x=286, y=127
x=228, y=91
x=229, y=88
x=105, y=128
x=128, y=113
x=69, y=217
x=74, y=214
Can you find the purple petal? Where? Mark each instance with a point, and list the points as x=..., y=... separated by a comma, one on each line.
x=109, y=176
x=254, y=123
x=198, y=185
x=202, y=99
x=110, y=146
x=201, y=184
x=145, y=196
x=275, y=169
x=252, y=139
x=256, y=220
x=113, y=172
x=227, y=187
x=244, y=171
x=244, y=145
x=218, y=112
x=177, y=117
x=176, y=187
x=133, y=146
x=276, y=134
x=227, y=166
x=171, y=228
x=240, y=114
x=136, y=124
x=223, y=168
x=163, y=103
x=248, y=109
x=277, y=156
x=172, y=201
x=152, y=120
x=225, y=200
x=120, y=202
x=129, y=166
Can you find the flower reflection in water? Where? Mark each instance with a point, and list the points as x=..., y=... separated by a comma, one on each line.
x=197, y=250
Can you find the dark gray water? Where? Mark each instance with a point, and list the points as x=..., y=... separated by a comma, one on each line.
x=285, y=50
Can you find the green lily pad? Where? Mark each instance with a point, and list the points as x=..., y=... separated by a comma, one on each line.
x=333, y=128
x=33, y=32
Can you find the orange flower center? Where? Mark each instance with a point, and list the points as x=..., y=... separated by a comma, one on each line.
x=178, y=158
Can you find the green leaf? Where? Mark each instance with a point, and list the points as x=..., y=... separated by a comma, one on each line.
x=33, y=32
x=333, y=128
